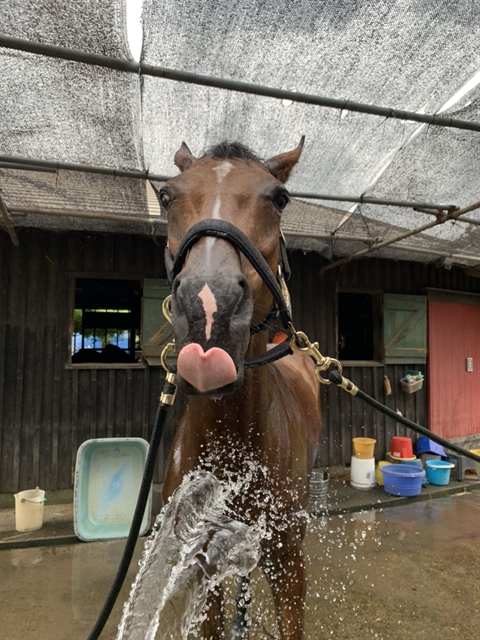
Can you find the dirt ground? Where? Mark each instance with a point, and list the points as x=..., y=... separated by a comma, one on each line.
x=403, y=572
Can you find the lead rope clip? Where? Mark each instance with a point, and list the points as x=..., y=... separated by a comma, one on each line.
x=301, y=345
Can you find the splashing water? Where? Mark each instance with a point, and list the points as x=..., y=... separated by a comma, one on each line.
x=194, y=545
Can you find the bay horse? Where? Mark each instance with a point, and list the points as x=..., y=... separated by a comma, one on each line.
x=238, y=419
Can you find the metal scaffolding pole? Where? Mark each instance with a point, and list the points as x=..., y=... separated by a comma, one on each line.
x=140, y=68
x=31, y=164
x=453, y=215
x=110, y=217
x=84, y=168
x=5, y=216
x=292, y=234
x=367, y=200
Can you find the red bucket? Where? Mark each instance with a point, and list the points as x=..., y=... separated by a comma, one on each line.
x=401, y=447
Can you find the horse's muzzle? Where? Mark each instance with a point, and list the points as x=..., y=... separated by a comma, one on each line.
x=211, y=319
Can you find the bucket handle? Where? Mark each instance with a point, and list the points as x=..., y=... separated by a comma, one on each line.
x=34, y=501
x=441, y=466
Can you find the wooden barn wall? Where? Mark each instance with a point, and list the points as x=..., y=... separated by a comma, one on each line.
x=48, y=409
x=314, y=307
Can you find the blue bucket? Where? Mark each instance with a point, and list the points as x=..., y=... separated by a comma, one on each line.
x=402, y=479
x=438, y=471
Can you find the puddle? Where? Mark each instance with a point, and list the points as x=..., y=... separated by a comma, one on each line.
x=403, y=572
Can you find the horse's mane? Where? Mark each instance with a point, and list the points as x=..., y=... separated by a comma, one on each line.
x=232, y=151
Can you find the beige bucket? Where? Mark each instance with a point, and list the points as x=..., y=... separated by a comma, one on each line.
x=364, y=447
x=29, y=509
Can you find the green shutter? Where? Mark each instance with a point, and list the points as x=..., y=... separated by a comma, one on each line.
x=405, y=329
x=156, y=330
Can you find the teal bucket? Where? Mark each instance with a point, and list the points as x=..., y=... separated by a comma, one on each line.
x=438, y=471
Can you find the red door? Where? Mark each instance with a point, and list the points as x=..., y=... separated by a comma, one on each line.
x=454, y=392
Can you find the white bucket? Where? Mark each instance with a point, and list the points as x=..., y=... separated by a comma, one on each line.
x=29, y=509
x=362, y=473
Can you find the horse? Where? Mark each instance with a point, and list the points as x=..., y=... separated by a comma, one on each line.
x=237, y=419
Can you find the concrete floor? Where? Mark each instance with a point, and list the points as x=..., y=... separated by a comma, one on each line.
x=404, y=571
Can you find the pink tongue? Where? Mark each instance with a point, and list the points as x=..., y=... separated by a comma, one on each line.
x=206, y=371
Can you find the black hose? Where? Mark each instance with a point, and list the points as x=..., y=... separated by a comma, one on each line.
x=337, y=378
x=136, y=523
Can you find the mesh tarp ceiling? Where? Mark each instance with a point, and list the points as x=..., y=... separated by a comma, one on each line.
x=408, y=54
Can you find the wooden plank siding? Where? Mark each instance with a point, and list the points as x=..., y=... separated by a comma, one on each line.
x=48, y=408
x=314, y=306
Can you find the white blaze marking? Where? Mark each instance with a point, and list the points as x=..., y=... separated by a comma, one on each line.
x=216, y=208
x=209, y=306
x=223, y=170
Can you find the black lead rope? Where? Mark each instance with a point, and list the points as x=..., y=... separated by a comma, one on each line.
x=337, y=378
x=136, y=522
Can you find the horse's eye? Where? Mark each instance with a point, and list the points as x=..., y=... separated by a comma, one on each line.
x=165, y=199
x=280, y=200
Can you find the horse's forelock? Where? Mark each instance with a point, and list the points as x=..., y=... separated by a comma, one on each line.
x=232, y=151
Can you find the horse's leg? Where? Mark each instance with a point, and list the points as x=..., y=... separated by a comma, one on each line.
x=213, y=625
x=285, y=573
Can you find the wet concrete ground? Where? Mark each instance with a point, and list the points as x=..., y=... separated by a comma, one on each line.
x=406, y=571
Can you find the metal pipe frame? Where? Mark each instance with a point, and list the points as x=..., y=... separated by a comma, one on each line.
x=84, y=168
x=367, y=200
x=453, y=215
x=18, y=162
x=5, y=215
x=140, y=68
x=25, y=167
x=293, y=234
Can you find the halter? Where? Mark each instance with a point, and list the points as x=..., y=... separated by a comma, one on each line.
x=277, y=287
x=228, y=231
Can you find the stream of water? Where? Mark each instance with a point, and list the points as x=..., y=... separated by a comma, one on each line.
x=194, y=545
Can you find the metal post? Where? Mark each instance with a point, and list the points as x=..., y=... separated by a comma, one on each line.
x=293, y=234
x=140, y=68
x=441, y=219
x=8, y=222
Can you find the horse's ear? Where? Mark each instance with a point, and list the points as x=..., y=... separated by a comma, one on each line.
x=281, y=166
x=184, y=157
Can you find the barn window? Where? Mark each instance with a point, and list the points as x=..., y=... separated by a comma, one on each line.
x=359, y=326
x=106, y=322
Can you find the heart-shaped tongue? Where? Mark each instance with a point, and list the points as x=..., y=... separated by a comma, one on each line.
x=206, y=371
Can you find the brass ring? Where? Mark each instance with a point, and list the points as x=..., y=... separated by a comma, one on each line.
x=166, y=308
x=163, y=357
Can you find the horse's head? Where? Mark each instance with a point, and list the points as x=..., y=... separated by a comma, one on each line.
x=218, y=295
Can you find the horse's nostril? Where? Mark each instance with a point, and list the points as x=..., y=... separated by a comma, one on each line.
x=242, y=281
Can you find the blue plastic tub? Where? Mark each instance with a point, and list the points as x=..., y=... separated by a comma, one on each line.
x=402, y=479
x=438, y=471
x=108, y=474
x=425, y=445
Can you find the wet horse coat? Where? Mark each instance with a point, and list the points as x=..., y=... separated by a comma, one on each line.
x=263, y=421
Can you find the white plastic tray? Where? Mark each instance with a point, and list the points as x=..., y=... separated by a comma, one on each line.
x=108, y=474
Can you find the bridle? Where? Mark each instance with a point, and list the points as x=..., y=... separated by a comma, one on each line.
x=276, y=285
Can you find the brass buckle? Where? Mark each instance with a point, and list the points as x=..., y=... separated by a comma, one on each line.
x=301, y=345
